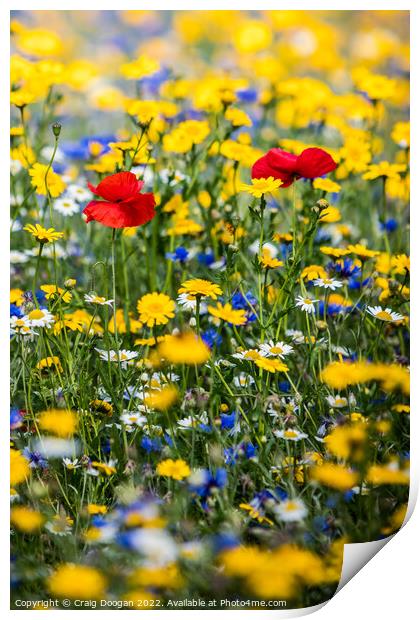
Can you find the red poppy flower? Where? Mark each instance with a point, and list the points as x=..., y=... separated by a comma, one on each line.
x=311, y=163
x=122, y=205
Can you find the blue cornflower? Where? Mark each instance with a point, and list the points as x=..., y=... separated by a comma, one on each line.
x=180, y=254
x=206, y=258
x=247, y=95
x=345, y=267
x=228, y=420
x=389, y=225
x=35, y=459
x=15, y=310
x=211, y=338
x=151, y=445
x=203, y=482
x=15, y=418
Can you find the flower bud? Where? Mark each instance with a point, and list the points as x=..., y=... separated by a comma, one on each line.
x=56, y=129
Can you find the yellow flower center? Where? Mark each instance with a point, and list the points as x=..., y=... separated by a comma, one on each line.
x=276, y=350
x=36, y=314
x=290, y=434
x=384, y=316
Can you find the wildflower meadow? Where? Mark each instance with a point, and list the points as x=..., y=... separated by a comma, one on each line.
x=209, y=304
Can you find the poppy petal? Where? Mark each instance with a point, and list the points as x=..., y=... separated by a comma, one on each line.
x=278, y=164
x=314, y=162
x=118, y=187
x=133, y=212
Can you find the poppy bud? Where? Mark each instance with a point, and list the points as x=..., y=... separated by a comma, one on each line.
x=56, y=129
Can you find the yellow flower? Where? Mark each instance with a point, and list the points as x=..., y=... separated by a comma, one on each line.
x=16, y=296
x=24, y=154
x=200, y=288
x=178, y=470
x=137, y=69
x=161, y=577
x=400, y=264
x=252, y=35
x=52, y=292
x=330, y=215
x=26, y=519
x=362, y=251
x=334, y=252
x=22, y=97
x=204, y=199
x=255, y=514
x=76, y=581
x=271, y=365
x=184, y=349
x=43, y=235
x=334, y=476
x=313, y=272
x=134, y=325
x=46, y=180
x=60, y=422
x=268, y=262
x=326, y=185
x=384, y=169
x=238, y=118
x=155, y=309
x=162, y=399
x=401, y=134
x=105, y=468
x=261, y=186
x=19, y=467
x=377, y=87
x=387, y=474
x=185, y=135
x=347, y=442
x=48, y=363
x=228, y=314
x=96, y=509
x=39, y=42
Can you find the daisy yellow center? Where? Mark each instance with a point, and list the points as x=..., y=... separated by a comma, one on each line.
x=252, y=355
x=290, y=506
x=340, y=401
x=308, y=301
x=36, y=314
x=290, y=434
x=123, y=356
x=385, y=316
x=276, y=350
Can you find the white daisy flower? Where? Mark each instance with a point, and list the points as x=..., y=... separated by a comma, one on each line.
x=187, y=302
x=60, y=525
x=21, y=326
x=193, y=422
x=78, y=192
x=306, y=304
x=386, y=315
x=133, y=418
x=248, y=355
x=17, y=258
x=254, y=248
x=328, y=283
x=40, y=317
x=15, y=166
x=93, y=298
x=124, y=356
x=71, y=463
x=243, y=380
x=290, y=434
x=278, y=349
x=291, y=510
x=66, y=206
x=338, y=402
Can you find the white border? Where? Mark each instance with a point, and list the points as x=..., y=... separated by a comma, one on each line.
x=388, y=585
